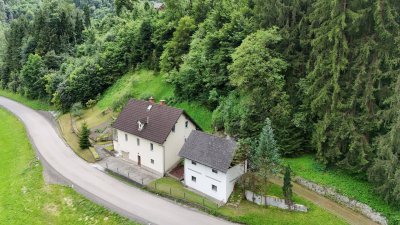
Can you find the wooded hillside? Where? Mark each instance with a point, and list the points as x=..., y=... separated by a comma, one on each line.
x=326, y=72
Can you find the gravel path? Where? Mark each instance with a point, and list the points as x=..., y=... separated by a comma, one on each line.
x=347, y=214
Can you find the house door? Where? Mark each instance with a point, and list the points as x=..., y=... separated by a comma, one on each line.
x=139, y=161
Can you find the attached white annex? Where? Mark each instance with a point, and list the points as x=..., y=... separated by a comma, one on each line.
x=151, y=135
x=208, y=165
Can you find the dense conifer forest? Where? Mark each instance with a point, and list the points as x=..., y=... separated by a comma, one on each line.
x=325, y=72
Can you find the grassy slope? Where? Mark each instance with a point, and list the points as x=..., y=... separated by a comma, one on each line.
x=252, y=214
x=34, y=104
x=147, y=83
x=26, y=199
x=343, y=182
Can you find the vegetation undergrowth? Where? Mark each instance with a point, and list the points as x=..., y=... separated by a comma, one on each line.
x=23, y=191
x=354, y=187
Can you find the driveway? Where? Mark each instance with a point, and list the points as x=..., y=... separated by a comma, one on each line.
x=98, y=186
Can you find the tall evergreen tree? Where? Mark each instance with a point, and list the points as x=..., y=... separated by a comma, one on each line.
x=287, y=186
x=84, y=142
x=265, y=159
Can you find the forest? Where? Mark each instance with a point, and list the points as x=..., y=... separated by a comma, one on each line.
x=325, y=72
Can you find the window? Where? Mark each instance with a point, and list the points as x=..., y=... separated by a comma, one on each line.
x=214, y=188
x=152, y=161
x=194, y=163
x=214, y=171
x=193, y=179
x=173, y=129
x=151, y=146
x=126, y=137
x=138, y=141
x=187, y=124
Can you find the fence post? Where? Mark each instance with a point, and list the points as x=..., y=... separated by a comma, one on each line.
x=128, y=174
x=117, y=170
x=107, y=165
x=142, y=181
x=170, y=191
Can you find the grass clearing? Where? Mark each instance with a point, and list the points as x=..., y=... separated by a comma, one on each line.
x=34, y=104
x=345, y=183
x=250, y=213
x=144, y=83
x=72, y=139
x=23, y=191
x=170, y=186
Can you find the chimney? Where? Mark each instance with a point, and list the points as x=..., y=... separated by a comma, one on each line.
x=163, y=102
x=151, y=100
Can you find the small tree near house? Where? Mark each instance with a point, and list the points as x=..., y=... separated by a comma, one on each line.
x=84, y=142
x=287, y=186
x=266, y=158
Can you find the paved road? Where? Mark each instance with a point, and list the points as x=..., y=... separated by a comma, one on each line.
x=347, y=214
x=131, y=202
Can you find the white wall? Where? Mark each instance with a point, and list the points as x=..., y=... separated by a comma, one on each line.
x=232, y=176
x=130, y=146
x=176, y=140
x=205, y=178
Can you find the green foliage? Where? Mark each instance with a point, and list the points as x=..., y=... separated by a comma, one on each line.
x=344, y=182
x=265, y=158
x=77, y=109
x=84, y=142
x=178, y=45
x=287, y=185
x=32, y=77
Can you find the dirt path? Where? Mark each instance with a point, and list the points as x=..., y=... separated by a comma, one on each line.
x=347, y=214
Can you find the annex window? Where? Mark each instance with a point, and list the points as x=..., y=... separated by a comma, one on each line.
x=152, y=161
x=138, y=141
x=214, y=171
x=193, y=162
x=126, y=137
x=193, y=179
x=187, y=124
x=173, y=129
x=214, y=187
x=151, y=146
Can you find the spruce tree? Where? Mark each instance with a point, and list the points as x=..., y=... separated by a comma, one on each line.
x=266, y=158
x=84, y=142
x=287, y=186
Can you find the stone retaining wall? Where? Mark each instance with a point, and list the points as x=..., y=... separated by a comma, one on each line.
x=273, y=201
x=344, y=200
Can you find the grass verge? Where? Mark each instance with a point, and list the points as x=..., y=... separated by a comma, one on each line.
x=344, y=183
x=250, y=213
x=34, y=104
x=26, y=199
x=72, y=139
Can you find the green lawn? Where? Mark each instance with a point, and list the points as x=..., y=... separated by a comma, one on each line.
x=252, y=214
x=344, y=183
x=145, y=83
x=34, y=104
x=26, y=199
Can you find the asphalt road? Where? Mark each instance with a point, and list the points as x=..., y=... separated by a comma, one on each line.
x=98, y=186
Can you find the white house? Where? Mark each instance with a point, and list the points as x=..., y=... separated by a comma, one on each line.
x=208, y=165
x=151, y=135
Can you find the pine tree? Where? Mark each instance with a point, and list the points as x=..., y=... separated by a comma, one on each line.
x=84, y=142
x=265, y=159
x=287, y=186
